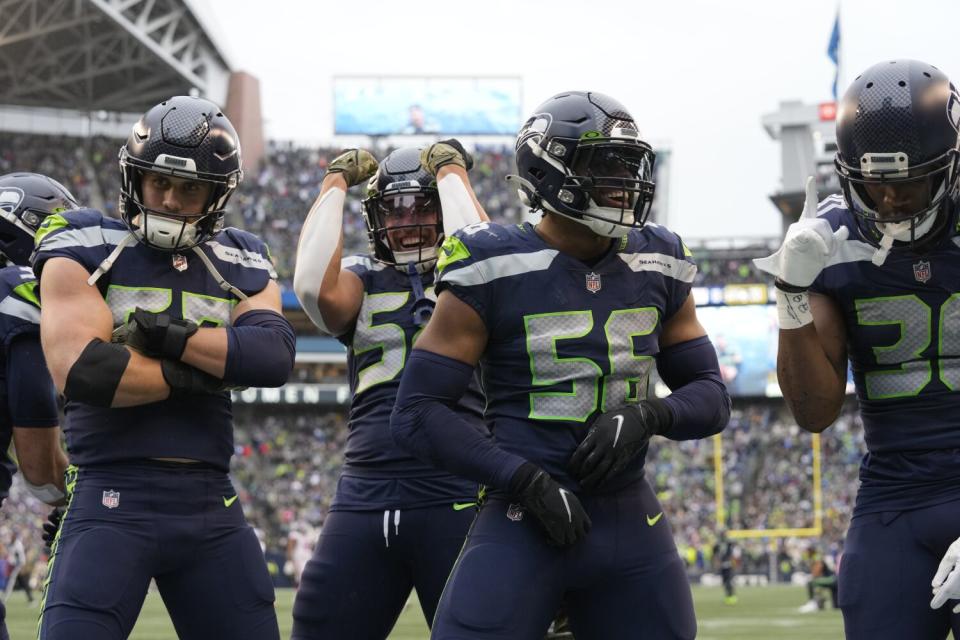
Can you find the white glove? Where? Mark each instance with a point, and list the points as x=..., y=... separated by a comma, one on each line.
x=808, y=246
x=946, y=583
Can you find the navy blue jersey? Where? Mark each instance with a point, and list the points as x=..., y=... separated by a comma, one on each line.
x=377, y=350
x=20, y=320
x=566, y=340
x=194, y=426
x=903, y=342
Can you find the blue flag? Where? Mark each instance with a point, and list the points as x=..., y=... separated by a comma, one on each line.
x=833, y=51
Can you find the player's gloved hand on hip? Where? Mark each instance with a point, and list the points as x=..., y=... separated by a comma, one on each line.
x=809, y=244
x=182, y=378
x=356, y=165
x=946, y=582
x=558, y=510
x=443, y=153
x=155, y=334
x=51, y=526
x=616, y=438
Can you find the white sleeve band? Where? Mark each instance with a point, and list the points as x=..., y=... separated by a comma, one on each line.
x=47, y=493
x=793, y=309
x=318, y=242
x=458, y=207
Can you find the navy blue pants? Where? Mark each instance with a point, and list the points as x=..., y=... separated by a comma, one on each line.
x=178, y=524
x=624, y=580
x=365, y=565
x=887, y=564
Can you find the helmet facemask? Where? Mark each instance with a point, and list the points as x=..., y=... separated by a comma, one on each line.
x=172, y=231
x=607, y=182
x=405, y=225
x=899, y=207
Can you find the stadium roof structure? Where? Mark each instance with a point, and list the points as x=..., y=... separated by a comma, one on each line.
x=111, y=55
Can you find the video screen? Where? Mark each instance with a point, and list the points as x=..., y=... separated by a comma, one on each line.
x=426, y=106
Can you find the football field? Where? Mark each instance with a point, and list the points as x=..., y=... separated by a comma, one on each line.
x=762, y=613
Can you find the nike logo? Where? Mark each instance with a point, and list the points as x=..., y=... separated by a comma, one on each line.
x=566, y=504
x=616, y=437
x=654, y=520
x=229, y=501
x=460, y=506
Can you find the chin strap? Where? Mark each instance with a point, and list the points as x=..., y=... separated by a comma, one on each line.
x=226, y=286
x=107, y=263
x=422, y=305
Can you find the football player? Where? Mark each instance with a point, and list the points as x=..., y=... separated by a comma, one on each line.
x=867, y=278
x=566, y=319
x=396, y=523
x=194, y=308
x=28, y=415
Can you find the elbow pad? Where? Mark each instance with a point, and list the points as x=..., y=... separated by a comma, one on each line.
x=700, y=403
x=261, y=349
x=94, y=377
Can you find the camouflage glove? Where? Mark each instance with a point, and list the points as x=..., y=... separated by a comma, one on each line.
x=356, y=165
x=443, y=153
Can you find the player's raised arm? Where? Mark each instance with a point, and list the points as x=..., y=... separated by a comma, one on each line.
x=75, y=330
x=331, y=297
x=450, y=162
x=811, y=361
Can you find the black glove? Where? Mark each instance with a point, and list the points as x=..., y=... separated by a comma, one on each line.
x=558, y=510
x=51, y=526
x=616, y=438
x=467, y=158
x=155, y=334
x=183, y=378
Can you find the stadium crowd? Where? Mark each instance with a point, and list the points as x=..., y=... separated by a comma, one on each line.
x=287, y=457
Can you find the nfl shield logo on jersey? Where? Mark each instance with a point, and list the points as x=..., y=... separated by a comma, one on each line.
x=515, y=512
x=593, y=282
x=921, y=271
x=111, y=499
x=179, y=262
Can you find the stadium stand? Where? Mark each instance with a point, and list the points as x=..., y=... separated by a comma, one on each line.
x=288, y=455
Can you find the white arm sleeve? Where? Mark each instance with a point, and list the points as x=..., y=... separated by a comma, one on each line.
x=318, y=242
x=458, y=207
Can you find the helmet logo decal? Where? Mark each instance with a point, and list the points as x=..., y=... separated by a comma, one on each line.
x=953, y=109
x=10, y=198
x=535, y=128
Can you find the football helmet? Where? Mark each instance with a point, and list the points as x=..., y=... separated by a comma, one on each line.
x=187, y=138
x=897, y=141
x=580, y=155
x=26, y=199
x=402, y=212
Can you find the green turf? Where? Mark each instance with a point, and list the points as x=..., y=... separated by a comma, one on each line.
x=768, y=613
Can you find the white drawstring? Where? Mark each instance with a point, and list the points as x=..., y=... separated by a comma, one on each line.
x=386, y=525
